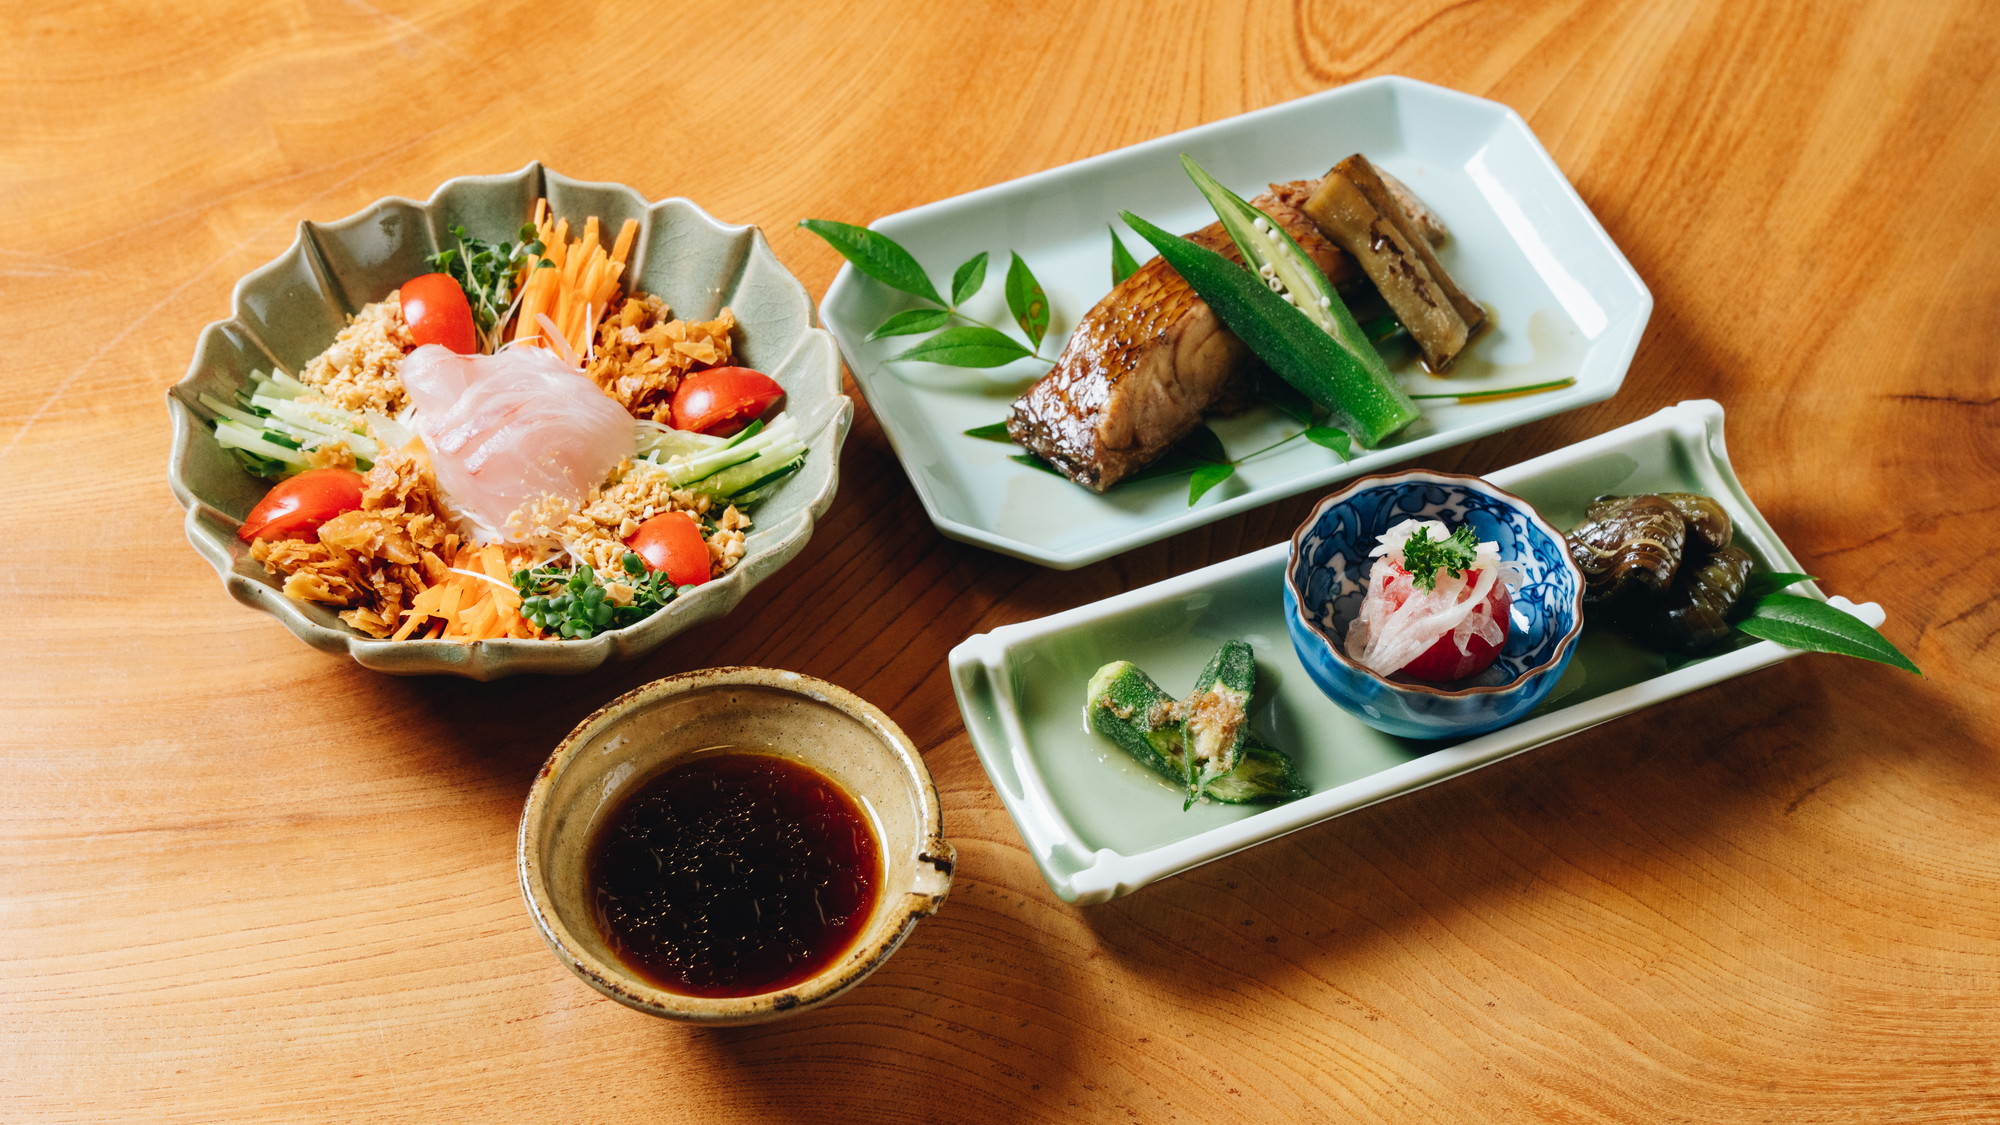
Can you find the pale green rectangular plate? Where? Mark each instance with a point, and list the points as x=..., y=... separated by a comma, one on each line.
x=1565, y=304
x=1100, y=825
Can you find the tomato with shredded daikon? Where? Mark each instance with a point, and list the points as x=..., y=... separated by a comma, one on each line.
x=1437, y=605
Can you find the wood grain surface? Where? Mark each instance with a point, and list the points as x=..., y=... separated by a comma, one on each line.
x=243, y=881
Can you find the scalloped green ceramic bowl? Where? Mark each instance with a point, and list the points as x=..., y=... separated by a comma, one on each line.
x=284, y=313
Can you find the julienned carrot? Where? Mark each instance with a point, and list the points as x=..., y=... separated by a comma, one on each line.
x=578, y=285
x=473, y=602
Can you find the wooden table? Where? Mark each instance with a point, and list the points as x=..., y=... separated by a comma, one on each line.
x=240, y=880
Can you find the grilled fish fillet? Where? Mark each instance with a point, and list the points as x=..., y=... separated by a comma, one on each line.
x=1151, y=358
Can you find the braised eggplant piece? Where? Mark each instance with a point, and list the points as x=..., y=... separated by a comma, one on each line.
x=1708, y=526
x=1696, y=613
x=1369, y=223
x=1627, y=546
x=1391, y=200
x=1428, y=223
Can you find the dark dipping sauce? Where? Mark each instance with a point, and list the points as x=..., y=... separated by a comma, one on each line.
x=733, y=874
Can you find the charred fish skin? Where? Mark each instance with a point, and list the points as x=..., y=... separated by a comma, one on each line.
x=1149, y=360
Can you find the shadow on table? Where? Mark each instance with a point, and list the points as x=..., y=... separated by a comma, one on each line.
x=1625, y=805
x=966, y=1022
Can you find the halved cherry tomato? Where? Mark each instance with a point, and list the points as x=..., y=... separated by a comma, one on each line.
x=722, y=400
x=437, y=312
x=296, y=507
x=1443, y=662
x=671, y=541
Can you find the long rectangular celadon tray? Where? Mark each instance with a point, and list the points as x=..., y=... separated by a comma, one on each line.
x=1099, y=825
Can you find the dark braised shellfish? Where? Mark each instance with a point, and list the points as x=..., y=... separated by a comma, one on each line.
x=1627, y=546
x=1708, y=526
x=1697, y=612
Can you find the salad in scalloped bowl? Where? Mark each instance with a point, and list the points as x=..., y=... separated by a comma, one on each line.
x=520, y=445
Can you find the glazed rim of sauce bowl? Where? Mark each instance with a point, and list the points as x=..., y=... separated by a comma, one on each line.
x=1478, y=484
x=641, y=734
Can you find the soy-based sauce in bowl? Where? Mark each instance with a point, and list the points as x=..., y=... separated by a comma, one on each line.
x=732, y=874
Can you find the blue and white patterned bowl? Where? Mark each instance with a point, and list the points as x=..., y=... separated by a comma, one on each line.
x=1327, y=575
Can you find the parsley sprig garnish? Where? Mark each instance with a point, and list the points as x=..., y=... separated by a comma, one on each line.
x=1422, y=555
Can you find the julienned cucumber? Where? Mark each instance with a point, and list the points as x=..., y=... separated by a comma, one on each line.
x=1266, y=244
x=1364, y=393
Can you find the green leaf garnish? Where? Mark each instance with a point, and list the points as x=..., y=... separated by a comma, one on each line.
x=968, y=279
x=1123, y=265
x=910, y=322
x=1501, y=392
x=1207, y=477
x=967, y=346
x=876, y=255
x=1201, y=442
x=1172, y=463
x=1336, y=440
x=1289, y=400
x=1026, y=301
x=1423, y=556
x=996, y=431
x=1380, y=328
x=1770, y=583
x=1814, y=626
x=1034, y=462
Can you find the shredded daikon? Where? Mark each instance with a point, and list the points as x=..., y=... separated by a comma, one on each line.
x=1400, y=620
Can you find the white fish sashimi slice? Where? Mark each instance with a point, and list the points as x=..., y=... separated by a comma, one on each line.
x=508, y=429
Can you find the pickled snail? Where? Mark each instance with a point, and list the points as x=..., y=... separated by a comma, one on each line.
x=1662, y=566
x=1627, y=546
x=1437, y=604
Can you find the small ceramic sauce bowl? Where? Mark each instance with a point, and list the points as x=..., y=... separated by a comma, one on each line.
x=1327, y=574
x=641, y=734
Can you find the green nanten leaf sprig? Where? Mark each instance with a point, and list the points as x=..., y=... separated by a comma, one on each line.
x=1123, y=265
x=973, y=343
x=1026, y=301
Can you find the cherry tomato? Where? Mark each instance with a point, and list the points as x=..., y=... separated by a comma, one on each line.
x=1443, y=662
x=671, y=541
x=437, y=313
x=296, y=507
x=722, y=400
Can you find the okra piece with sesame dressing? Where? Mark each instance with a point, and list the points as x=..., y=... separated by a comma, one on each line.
x=1215, y=721
x=1232, y=765
x=1128, y=708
